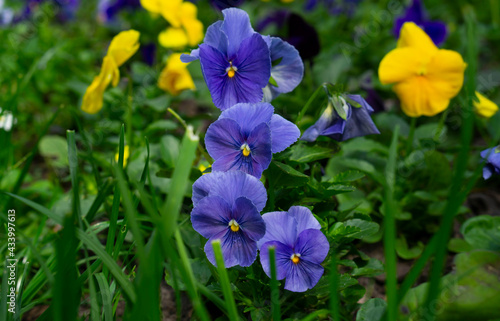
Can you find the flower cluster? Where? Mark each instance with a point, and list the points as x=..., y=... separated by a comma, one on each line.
x=242, y=66
x=122, y=47
x=185, y=28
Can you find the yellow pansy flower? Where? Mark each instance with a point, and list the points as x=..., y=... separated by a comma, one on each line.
x=485, y=107
x=126, y=155
x=185, y=29
x=175, y=77
x=122, y=47
x=425, y=78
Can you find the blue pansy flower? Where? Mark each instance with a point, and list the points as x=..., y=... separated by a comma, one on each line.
x=416, y=13
x=300, y=247
x=492, y=157
x=233, y=218
x=357, y=121
x=236, y=62
x=108, y=9
x=246, y=135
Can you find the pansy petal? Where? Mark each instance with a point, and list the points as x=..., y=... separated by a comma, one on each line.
x=400, y=64
x=283, y=261
x=419, y=98
x=237, y=249
x=223, y=137
x=249, y=218
x=414, y=13
x=230, y=161
x=203, y=186
x=283, y=133
x=303, y=276
x=211, y=216
x=289, y=72
x=436, y=30
x=487, y=152
x=304, y=217
x=280, y=227
x=237, y=28
x=216, y=38
x=259, y=141
x=485, y=107
x=487, y=171
x=324, y=121
x=194, y=55
x=254, y=62
x=232, y=185
x=249, y=116
x=414, y=37
x=360, y=123
x=312, y=245
x=173, y=38
x=123, y=46
x=446, y=73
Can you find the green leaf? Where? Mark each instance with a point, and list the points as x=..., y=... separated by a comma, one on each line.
x=459, y=245
x=407, y=253
x=372, y=310
x=363, y=144
x=159, y=104
x=372, y=268
x=347, y=176
x=285, y=175
x=351, y=102
x=162, y=125
x=55, y=149
x=482, y=232
x=169, y=148
x=303, y=153
x=276, y=62
x=339, y=105
x=273, y=82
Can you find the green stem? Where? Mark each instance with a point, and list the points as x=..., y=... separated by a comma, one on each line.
x=440, y=127
x=409, y=142
x=224, y=282
x=275, y=292
x=334, y=287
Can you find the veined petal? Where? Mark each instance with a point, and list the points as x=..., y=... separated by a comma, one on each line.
x=248, y=116
x=194, y=55
x=231, y=185
x=304, y=217
x=312, y=245
x=259, y=141
x=211, y=216
x=283, y=254
x=223, y=137
x=123, y=46
x=402, y=63
x=280, y=227
x=249, y=218
x=324, y=121
x=413, y=36
x=303, y=276
x=418, y=97
x=237, y=28
x=289, y=72
x=283, y=133
x=360, y=123
x=173, y=38
x=254, y=62
x=216, y=38
x=237, y=249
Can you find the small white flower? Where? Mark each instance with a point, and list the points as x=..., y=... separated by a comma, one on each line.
x=6, y=120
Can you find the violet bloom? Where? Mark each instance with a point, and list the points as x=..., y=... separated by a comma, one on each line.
x=416, y=13
x=235, y=60
x=108, y=9
x=233, y=218
x=492, y=157
x=300, y=247
x=357, y=123
x=246, y=135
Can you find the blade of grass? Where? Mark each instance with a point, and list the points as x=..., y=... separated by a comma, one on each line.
x=315, y=315
x=179, y=182
x=453, y=204
x=106, y=296
x=104, y=191
x=275, y=291
x=390, y=229
x=3, y=301
x=226, y=285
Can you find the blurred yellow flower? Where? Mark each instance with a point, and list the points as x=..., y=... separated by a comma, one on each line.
x=122, y=47
x=175, y=77
x=425, y=78
x=185, y=29
x=485, y=107
x=126, y=154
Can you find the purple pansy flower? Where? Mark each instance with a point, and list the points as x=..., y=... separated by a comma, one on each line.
x=233, y=218
x=416, y=13
x=235, y=60
x=300, y=247
x=108, y=9
x=357, y=123
x=246, y=135
x=492, y=157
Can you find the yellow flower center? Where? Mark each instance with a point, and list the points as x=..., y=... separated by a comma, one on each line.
x=235, y=227
x=245, y=149
x=295, y=258
x=231, y=70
